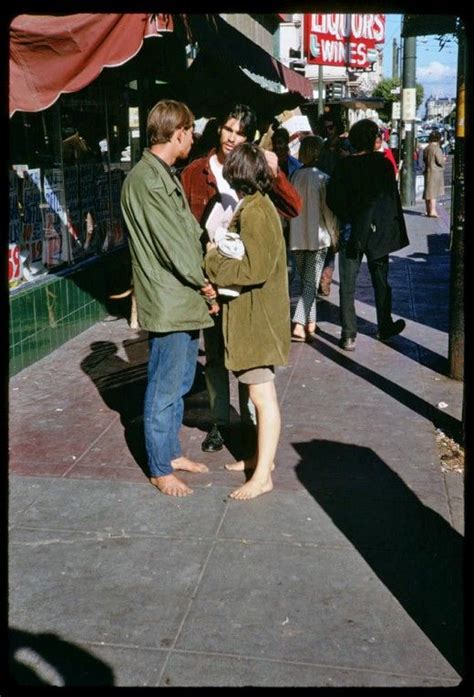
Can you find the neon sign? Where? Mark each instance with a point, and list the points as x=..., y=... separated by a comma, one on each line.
x=343, y=40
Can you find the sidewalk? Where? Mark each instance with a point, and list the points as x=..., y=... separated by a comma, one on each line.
x=348, y=574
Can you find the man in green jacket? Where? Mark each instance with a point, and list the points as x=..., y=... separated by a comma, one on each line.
x=174, y=299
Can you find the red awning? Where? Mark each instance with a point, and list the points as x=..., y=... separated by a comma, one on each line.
x=293, y=81
x=54, y=54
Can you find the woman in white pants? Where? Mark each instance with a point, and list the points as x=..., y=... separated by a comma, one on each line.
x=312, y=232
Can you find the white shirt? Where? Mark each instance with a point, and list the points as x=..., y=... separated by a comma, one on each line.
x=310, y=229
x=228, y=195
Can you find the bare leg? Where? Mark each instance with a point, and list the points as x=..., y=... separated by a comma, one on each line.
x=433, y=212
x=170, y=484
x=133, y=313
x=268, y=420
x=183, y=463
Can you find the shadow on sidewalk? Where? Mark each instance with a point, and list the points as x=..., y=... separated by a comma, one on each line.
x=328, y=312
x=448, y=424
x=122, y=385
x=45, y=659
x=425, y=274
x=411, y=548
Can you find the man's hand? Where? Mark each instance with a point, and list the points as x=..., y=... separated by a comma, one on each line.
x=210, y=294
x=272, y=161
x=209, y=291
x=210, y=245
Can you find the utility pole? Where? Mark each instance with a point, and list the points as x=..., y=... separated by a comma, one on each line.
x=320, y=90
x=394, y=60
x=407, y=183
x=456, y=297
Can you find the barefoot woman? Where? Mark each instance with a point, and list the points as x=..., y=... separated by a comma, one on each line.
x=256, y=324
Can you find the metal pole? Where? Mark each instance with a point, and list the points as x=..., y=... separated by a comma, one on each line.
x=394, y=59
x=456, y=302
x=407, y=188
x=320, y=90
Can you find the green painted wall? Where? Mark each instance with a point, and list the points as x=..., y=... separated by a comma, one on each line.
x=49, y=312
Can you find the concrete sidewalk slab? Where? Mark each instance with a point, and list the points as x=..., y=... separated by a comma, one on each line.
x=349, y=573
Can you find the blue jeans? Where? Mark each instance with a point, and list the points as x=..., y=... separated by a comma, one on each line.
x=171, y=370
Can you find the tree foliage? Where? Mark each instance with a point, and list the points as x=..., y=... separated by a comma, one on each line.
x=383, y=91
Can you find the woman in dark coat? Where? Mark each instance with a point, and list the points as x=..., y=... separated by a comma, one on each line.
x=433, y=159
x=363, y=194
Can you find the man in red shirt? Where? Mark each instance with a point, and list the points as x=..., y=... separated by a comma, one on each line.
x=203, y=183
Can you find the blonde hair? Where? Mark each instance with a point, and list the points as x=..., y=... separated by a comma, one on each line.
x=310, y=149
x=165, y=117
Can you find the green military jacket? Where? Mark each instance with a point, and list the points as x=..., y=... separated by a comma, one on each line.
x=165, y=249
x=256, y=324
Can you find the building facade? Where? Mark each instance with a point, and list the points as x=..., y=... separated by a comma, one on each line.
x=438, y=108
x=69, y=154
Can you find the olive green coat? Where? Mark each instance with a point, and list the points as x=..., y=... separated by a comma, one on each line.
x=165, y=249
x=256, y=324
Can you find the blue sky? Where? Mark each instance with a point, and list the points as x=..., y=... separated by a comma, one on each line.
x=435, y=69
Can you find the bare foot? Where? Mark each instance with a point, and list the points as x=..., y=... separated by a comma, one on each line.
x=252, y=489
x=170, y=484
x=297, y=332
x=183, y=463
x=244, y=465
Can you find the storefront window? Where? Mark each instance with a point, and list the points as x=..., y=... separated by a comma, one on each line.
x=67, y=165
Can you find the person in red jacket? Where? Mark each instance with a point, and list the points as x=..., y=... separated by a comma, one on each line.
x=204, y=184
x=382, y=146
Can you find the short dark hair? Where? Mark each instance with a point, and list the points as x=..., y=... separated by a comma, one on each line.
x=331, y=117
x=434, y=137
x=281, y=133
x=363, y=134
x=246, y=116
x=246, y=169
x=165, y=117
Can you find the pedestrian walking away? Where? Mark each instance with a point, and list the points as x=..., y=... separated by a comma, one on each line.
x=256, y=322
x=205, y=185
x=312, y=233
x=174, y=299
x=433, y=160
x=336, y=146
x=363, y=194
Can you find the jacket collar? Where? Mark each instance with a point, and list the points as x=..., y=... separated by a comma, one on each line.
x=248, y=200
x=169, y=182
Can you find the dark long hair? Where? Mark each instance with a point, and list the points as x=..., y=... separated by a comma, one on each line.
x=246, y=170
x=245, y=115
